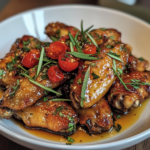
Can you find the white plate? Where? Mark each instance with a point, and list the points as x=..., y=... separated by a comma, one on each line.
x=134, y=32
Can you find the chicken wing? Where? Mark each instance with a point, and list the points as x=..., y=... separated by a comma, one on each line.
x=26, y=93
x=123, y=100
x=57, y=117
x=97, y=118
x=98, y=87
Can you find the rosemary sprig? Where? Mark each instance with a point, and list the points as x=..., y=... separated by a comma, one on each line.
x=22, y=68
x=88, y=29
x=92, y=39
x=60, y=99
x=83, y=56
x=116, y=73
x=114, y=55
x=71, y=47
x=84, y=85
x=53, y=39
x=40, y=85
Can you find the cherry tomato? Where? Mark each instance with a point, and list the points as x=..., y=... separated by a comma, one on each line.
x=29, y=60
x=89, y=49
x=73, y=31
x=55, y=49
x=24, y=38
x=67, y=62
x=55, y=74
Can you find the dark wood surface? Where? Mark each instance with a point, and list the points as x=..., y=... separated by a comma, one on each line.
x=15, y=6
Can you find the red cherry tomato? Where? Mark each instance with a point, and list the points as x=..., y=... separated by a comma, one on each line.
x=29, y=60
x=73, y=31
x=55, y=49
x=24, y=38
x=55, y=74
x=67, y=62
x=89, y=49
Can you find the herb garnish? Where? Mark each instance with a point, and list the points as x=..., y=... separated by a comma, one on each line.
x=79, y=81
x=95, y=76
x=112, y=37
x=1, y=73
x=84, y=85
x=45, y=99
x=141, y=59
x=53, y=39
x=71, y=47
x=26, y=42
x=114, y=55
x=117, y=128
x=83, y=56
x=60, y=99
x=91, y=38
x=40, y=85
x=58, y=109
x=15, y=88
x=118, y=116
x=103, y=29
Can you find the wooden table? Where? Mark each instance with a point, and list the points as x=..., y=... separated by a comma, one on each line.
x=15, y=6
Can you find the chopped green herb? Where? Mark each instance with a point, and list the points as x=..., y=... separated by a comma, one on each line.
x=44, y=77
x=26, y=42
x=54, y=113
x=45, y=99
x=60, y=114
x=122, y=48
x=93, y=64
x=26, y=49
x=103, y=29
x=1, y=73
x=141, y=59
x=84, y=85
x=79, y=81
x=112, y=37
x=99, y=49
x=70, y=118
x=108, y=46
x=15, y=88
x=118, y=127
x=70, y=139
x=38, y=46
x=134, y=80
x=58, y=109
x=53, y=39
x=118, y=116
x=95, y=76
x=47, y=104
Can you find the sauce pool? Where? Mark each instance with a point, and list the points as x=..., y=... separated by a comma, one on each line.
x=81, y=136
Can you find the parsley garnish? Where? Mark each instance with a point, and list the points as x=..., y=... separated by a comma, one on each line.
x=118, y=116
x=141, y=59
x=45, y=99
x=79, y=81
x=95, y=76
x=26, y=42
x=1, y=73
x=58, y=109
x=118, y=127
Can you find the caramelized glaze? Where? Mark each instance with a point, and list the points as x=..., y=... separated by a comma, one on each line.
x=81, y=136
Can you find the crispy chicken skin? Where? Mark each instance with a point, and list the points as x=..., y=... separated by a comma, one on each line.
x=121, y=99
x=17, y=52
x=100, y=34
x=27, y=93
x=136, y=64
x=58, y=29
x=97, y=88
x=6, y=113
x=45, y=115
x=97, y=118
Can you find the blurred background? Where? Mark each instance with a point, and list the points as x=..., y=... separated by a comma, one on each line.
x=139, y=8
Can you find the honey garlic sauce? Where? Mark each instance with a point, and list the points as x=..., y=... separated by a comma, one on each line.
x=81, y=136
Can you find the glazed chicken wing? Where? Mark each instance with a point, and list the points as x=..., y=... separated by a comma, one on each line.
x=27, y=93
x=97, y=118
x=121, y=99
x=57, y=117
x=102, y=69
x=137, y=64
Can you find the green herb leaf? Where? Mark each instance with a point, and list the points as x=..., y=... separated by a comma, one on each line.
x=40, y=62
x=95, y=76
x=70, y=139
x=44, y=77
x=114, y=55
x=79, y=81
x=108, y=46
x=118, y=116
x=70, y=118
x=45, y=99
x=118, y=127
x=40, y=85
x=112, y=37
x=22, y=68
x=87, y=30
x=60, y=99
x=91, y=38
x=134, y=80
x=120, y=71
x=103, y=29
x=83, y=56
x=76, y=36
x=26, y=42
x=53, y=39
x=141, y=59
x=71, y=47
x=15, y=88
x=93, y=64
x=60, y=114
x=1, y=73
x=84, y=85
x=58, y=109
